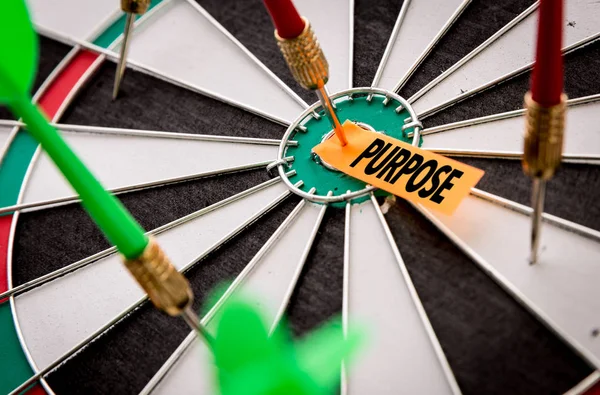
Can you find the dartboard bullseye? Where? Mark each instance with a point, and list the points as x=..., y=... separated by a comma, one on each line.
x=374, y=109
x=197, y=115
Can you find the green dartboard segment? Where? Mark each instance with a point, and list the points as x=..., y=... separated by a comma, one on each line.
x=383, y=118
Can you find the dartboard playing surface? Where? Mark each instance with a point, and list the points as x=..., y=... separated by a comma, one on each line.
x=452, y=303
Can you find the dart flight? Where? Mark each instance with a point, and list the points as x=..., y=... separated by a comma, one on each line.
x=400, y=168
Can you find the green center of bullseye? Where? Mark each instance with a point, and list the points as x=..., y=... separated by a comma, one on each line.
x=388, y=118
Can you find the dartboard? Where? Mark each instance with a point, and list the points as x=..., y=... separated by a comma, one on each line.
x=209, y=146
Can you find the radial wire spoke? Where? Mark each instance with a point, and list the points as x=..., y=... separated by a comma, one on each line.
x=91, y=15
x=270, y=277
x=154, y=161
x=380, y=296
x=475, y=72
x=501, y=135
x=72, y=295
x=566, y=276
x=110, y=251
x=231, y=72
x=420, y=25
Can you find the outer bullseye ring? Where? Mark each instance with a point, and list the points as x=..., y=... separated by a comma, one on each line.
x=384, y=110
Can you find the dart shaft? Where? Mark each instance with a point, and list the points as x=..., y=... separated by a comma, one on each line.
x=168, y=289
x=124, y=50
x=329, y=108
x=113, y=219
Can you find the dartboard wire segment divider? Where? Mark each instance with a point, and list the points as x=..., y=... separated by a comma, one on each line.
x=47, y=321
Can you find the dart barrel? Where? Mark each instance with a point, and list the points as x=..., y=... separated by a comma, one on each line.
x=168, y=289
x=135, y=6
x=543, y=143
x=305, y=58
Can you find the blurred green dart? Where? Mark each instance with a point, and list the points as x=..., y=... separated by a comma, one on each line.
x=166, y=287
x=251, y=362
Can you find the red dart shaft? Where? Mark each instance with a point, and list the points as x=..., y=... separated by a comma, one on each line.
x=285, y=17
x=547, y=78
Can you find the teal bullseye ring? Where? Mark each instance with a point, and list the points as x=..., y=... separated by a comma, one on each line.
x=384, y=111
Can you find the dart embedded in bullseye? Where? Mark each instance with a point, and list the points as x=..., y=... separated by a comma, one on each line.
x=131, y=8
x=545, y=113
x=304, y=56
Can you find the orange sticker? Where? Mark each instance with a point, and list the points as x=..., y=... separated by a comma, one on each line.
x=400, y=168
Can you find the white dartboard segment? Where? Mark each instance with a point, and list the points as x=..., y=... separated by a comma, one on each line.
x=562, y=288
x=510, y=51
x=5, y=132
x=500, y=133
x=271, y=276
x=127, y=160
x=269, y=279
x=192, y=374
x=417, y=28
x=332, y=21
x=402, y=350
x=180, y=43
x=78, y=19
x=57, y=315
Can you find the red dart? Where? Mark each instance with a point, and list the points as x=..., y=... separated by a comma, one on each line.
x=285, y=17
x=547, y=78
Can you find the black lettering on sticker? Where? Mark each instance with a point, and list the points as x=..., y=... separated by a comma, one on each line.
x=398, y=160
x=370, y=151
x=409, y=167
x=412, y=184
x=447, y=184
x=373, y=167
x=435, y=181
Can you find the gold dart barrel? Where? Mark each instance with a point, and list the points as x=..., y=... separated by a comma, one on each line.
x=168, y=289
x=543, y=143
x=135, y=6
x=305, y=58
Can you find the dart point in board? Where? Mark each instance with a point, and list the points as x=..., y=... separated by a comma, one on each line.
x=131, y=8
x=545, y=106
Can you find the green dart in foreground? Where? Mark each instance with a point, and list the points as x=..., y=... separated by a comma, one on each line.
x=249, y=361
x=166, y=287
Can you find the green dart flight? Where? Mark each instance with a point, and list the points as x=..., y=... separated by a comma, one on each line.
x=166, y=287
x=249, y=361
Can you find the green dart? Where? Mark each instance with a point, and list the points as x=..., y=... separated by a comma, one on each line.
x=166, y=287
x=251, y=362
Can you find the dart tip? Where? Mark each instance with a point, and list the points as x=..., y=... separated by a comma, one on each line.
x=115, y=93
x=533, y=253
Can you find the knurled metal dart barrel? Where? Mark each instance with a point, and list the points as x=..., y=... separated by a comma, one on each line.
x=545, y=113
x=168, y=289
x=132, y=8
x=303, y=55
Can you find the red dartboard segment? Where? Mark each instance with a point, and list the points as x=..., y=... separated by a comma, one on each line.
x=5, y=223
x=594, y=390
x=61, y=87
